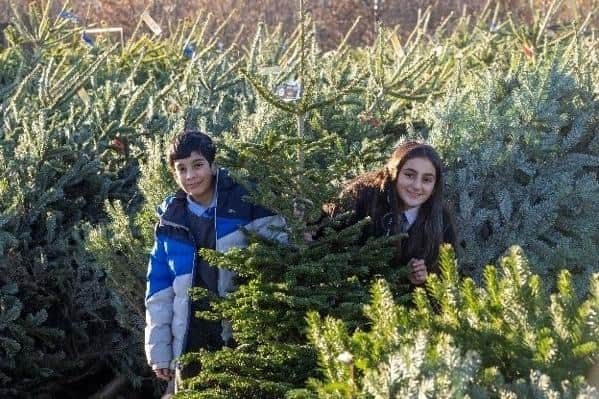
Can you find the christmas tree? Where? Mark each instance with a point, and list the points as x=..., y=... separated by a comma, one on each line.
x=522, y=152
x=58, y=319
x=84, y=121
x=504, y=339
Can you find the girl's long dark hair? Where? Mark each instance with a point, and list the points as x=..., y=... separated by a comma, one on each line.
x=426, y=234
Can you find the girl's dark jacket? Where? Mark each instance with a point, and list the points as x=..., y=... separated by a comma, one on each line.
x=364, y=197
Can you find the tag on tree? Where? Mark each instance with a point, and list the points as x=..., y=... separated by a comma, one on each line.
x=82, y=93
x=69, y=16
x=396, y=45
x=189, y=50
x=291, y=90
x=94, y=31
x=270, y=70
x=152, y=24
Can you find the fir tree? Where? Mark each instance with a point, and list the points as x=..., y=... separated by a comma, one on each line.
x=73, y=158
x=60, y=162
x=522, y=152
x=506, y=339
x=279, y=283
x=278, y=286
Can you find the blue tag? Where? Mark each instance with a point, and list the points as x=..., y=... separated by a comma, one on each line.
x=87, y=39
x=69, y=16
x=189, y=51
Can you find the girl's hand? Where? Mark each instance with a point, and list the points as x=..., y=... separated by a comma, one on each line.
x=164, y=374
x=418, y=273
x=308, y=237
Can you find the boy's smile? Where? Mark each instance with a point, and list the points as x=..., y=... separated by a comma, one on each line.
x=194, y=176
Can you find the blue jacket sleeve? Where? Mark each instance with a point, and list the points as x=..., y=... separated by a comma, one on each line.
x=159, y=308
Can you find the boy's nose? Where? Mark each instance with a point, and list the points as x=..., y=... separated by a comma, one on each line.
x=189, y=175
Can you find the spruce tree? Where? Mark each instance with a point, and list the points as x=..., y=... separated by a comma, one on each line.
x=522, y=153
x=103, y=149
x=57, y=316
x=60, y=161
x=504, y=339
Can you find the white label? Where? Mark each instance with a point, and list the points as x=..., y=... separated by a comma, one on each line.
x=82, y=93
x=396, y=45
x=270, y=70
x=153, y=25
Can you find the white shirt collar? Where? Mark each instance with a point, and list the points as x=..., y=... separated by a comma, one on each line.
x=197, y=208
x=411, y=215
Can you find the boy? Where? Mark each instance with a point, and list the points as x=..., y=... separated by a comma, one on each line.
x=206, y=212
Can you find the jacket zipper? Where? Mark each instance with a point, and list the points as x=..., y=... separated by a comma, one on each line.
x=193, y=266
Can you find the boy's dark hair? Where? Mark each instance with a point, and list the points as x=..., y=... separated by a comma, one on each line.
x=183, y=144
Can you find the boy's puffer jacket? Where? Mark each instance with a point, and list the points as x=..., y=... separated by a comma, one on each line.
x=170, y=269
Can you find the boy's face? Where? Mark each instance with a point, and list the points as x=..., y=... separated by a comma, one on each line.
x=194, y=176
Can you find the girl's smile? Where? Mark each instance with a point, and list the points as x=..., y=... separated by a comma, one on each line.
x=416, y=182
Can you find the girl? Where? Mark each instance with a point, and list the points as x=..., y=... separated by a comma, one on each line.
x=405, y=196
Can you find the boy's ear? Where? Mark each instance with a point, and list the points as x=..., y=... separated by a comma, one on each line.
x=214, y=169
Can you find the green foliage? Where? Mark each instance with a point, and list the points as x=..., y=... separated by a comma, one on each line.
x=513, y=323
x=480, y=341
x=264, y=371
x=57, y=316
x=523, y=156
x=512, y=108
x=278, y=285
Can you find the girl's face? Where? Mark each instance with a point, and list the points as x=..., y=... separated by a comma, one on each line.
x=416, y=182
x=194, y=176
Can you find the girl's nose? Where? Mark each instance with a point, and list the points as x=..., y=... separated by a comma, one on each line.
x=417, y=184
